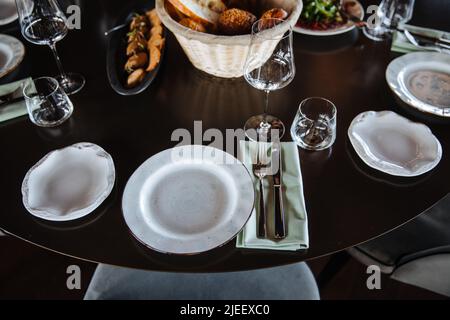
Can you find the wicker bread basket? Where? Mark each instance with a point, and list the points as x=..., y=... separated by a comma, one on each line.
x=224, y=56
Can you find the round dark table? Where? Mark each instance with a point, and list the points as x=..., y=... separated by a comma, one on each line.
x=347, y=202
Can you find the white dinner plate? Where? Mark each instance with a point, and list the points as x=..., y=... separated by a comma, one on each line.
x=188, y=200
x=12, y=52
x=334, y=31
x=393, y=144
x=422, y=80
x=69, y=183
x=8, y=11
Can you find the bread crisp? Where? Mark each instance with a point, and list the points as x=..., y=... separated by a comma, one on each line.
x=203, y=11
x=191, y=24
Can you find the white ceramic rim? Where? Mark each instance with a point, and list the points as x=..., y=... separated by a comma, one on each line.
x=374, y=164
x=134, y=218
x=82, y=211
x=17, y=51
x=395, y=70
x=9, y=19
x=339, y=30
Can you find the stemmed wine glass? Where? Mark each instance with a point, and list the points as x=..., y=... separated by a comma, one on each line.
x=269, y=66
x=42, y=22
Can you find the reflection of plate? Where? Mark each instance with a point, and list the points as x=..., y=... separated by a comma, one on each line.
x=69, y=183
x=8, y=11
x=188, y=204
x=337, y=30
x=393, y=144
x=12, y=52
x=422, y=80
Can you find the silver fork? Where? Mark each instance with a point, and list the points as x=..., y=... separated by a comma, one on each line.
x=261, y=170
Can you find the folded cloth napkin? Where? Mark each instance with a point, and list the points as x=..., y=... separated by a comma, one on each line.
x=293, y=200
x=17, y=109
x=402, y=45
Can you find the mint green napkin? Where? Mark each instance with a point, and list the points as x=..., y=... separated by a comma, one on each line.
x=402, y=45
x=17, y=109
x=294, y=203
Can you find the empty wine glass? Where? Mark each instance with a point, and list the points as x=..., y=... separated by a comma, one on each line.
x=269, y=66
x=48, y=105
x=43, y=22
x=390, y=14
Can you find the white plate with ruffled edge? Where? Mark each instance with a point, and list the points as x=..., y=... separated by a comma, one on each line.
x=188, y=200
x=393, y=144
x=69, y=183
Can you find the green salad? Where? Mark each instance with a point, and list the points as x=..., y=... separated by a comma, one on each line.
x=321, y=14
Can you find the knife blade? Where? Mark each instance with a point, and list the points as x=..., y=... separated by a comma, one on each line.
x=429, y=39
x=280, y=223
x=11, y=101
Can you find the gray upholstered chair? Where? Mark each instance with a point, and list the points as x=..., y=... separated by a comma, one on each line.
x=417, y=253
x=288, y=282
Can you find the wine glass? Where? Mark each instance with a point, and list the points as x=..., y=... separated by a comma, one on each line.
x=42, y=22
x=390, y=13
x=269, y=66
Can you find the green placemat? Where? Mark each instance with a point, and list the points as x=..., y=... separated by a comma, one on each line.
x=17, y=109
x=402, y=45
x=294, y=203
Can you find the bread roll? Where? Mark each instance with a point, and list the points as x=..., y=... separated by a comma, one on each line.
x=236, y=21
x=275, y=13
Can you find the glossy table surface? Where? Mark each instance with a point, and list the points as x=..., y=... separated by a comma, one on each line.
x=347, y=202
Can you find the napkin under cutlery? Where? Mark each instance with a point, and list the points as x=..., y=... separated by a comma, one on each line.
x=15, y=109
x=402, y=45
x=294, y=203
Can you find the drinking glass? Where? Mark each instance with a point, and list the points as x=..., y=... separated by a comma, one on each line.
x=48, y=105
x=391, y=13
x=269, y=66
x=314, y=126
x=42, y=22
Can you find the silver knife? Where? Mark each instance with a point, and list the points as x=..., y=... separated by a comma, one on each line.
x=445, y=43
x=280, y=218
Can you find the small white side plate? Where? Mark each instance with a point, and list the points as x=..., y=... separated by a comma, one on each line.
x=334, y=31
x=422, y=80
x=69, y=183
x=393, y=144
x=12, y=52
x=188, y=204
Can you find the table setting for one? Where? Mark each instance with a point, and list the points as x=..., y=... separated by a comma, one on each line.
x=190, y=199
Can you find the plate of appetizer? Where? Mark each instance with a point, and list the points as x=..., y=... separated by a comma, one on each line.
x=135, y=52
x=328, y=17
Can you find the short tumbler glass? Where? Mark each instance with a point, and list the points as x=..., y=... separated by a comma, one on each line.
x=47, y=103
x=314, y=126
